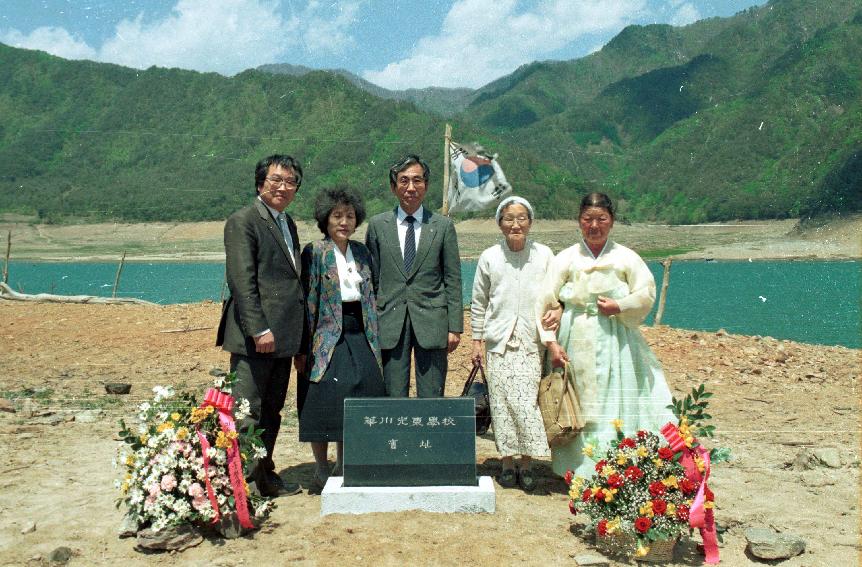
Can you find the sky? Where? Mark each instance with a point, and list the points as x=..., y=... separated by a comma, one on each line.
x=396, y=44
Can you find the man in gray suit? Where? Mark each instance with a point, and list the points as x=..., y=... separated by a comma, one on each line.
x=417, y=276
x=263, y=321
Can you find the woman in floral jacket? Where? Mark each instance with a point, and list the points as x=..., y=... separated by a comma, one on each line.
x=344, y=358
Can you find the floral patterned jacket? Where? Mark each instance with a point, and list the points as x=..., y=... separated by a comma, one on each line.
x=323, y=292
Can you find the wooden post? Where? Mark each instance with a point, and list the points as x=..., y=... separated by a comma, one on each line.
x=8, y=251
x=665, y=281
x=117, y=277
x=447, y=138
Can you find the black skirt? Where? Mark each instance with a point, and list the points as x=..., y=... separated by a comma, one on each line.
x=352, y=373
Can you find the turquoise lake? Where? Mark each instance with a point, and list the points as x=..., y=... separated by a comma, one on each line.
x=807, y=301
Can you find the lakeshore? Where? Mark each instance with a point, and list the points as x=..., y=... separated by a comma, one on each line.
x=834, y=238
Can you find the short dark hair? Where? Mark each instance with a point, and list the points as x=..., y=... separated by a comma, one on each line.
x=404, y=163
x=597, y=200
x=328, y=199
x=287, y=162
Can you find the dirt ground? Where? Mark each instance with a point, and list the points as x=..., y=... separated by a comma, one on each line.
x=773, y=399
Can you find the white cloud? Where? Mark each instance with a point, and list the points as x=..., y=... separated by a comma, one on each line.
x=53, y=40
x=684, y=13
x=225, y=36
x=484, y=39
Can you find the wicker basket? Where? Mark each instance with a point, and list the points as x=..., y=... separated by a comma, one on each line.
x=623, y=544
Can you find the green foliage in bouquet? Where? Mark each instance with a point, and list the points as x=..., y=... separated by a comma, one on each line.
x=692, y=416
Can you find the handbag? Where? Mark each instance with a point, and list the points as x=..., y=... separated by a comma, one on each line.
x=560, y=406
x=479, y=392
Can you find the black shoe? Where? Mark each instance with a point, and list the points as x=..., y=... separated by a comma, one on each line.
x=284, y=488
x=527, y=480
x=507, y=478
x=264, y=483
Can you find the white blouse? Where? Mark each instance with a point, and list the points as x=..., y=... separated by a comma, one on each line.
x=348, y=275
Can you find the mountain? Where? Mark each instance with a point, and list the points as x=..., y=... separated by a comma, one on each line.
x=84, y=140
x=442, y=101
x=753, y=116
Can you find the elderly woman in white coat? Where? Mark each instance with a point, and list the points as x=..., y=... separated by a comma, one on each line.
x=504, y=315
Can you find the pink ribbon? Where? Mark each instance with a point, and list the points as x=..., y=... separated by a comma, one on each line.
x=698, y=516
x=223, y=403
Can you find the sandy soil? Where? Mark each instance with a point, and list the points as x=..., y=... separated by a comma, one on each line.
x=772, y=400
x=834, y=238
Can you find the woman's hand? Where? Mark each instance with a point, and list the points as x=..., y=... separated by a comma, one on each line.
x=559, y=358
x=478, y=356
x=607, y=306
x=551, y=318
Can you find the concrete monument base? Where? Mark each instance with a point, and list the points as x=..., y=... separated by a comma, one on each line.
x=338, y=499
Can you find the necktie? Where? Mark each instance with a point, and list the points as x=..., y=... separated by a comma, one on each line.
x=409, y=243
x=285, y=232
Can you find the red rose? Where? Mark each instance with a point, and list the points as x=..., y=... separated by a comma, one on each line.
x=633, y=473
x=682, y=512
x=602, y=527
x=572, y=508
x=686, y=486
x=656, y=488
x=665, y=453
x=599, y=495
x=707, y=493
x=586, y=495
x=568, y=477
x=642, y=434
x=600, y=465
x=615, y=481
x=628, y=442
x=659, y=506
x=643, y=524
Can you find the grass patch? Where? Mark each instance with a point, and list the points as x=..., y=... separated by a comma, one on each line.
x=661, y=253
x=33, y=393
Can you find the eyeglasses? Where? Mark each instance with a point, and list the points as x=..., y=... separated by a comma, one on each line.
x=404, y=182
x=290, y=182
x=521, y=219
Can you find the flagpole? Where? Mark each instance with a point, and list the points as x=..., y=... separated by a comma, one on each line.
x=447, y=138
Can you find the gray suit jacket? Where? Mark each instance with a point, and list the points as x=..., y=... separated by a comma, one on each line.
x=430, y=292
x=265, y=291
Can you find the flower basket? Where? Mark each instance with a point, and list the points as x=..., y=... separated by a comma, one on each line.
x=623, y=544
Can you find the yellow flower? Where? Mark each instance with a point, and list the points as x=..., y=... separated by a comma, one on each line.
x=658, y=463
x=671, y=509
x=671, y=482
x=243, y=456
x=608, y=470
x=175, y=416
x=130, y=460
x=646, y=510
x=642, y=452
x=614, y=525
x=222, y=442
x=587, y=450
x=144, y=438
x=182, y=433
x=641, y=551
x=618, y=424
x=577, y=484
x=708, y=505
x=699, y=462
x=210, y=410
x=165, y=426
x=621, y=458
x=683, y=421
x=124, y=487
x=609, y=494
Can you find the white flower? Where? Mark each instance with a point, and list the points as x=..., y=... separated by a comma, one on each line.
x=259, y=452
x=242, y=409
x=162, y=393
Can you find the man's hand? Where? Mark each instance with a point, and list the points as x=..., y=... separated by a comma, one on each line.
x=551, y=318
x=477, y=355
x=454, y=339
x=265, y=343
x=559, y=358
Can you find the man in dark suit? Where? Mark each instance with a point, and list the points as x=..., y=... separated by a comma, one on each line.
x=416, y=273
x=263, y=321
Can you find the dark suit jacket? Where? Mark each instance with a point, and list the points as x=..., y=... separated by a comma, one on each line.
x=430, y=292
x=323, y=287
x=265, y=291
